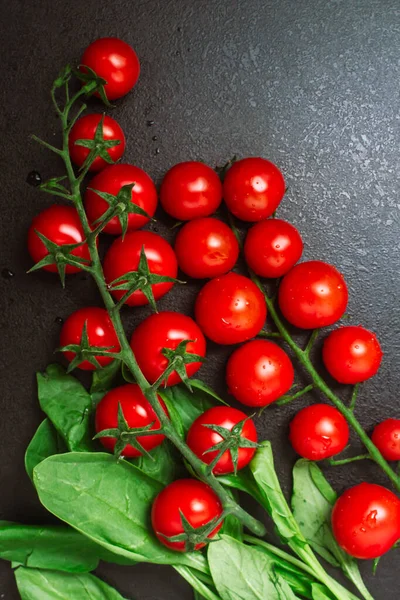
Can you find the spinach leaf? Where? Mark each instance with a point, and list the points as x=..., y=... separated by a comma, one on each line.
x=45, y=442
x=312, y=502
x=39, y=584
x=185, y=406
x=68, y=406
x=103, y=379
x=109, y=501
x=207, y=391
x=163, y=464
x=319, y=592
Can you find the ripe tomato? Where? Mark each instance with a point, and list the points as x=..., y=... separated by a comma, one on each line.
x=386, y=437
x=230, y=309
x=193, y=499
x=253, y=189
x=272, y=248
x=313, y=294
x=137, y=411
x=85, y=129
x=166, y=330
x=100, y=333
x=111, y=180
x=123, y=257
x=319, y=431
x=190, y=190
x=352, y=354
x=366, y=520
x=116, y=62
x=201, y=438
x=206, y=248
x=61, y=225
x=258, y=373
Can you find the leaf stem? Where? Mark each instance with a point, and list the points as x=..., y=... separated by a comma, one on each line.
x=345, y=461
x=354, y=397
x=287, y=399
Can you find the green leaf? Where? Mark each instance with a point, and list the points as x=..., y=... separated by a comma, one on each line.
x=185, y=406
x=319, y=592
x=39, y=584
x=164, y=465
x=109, y=502
x=45, y=442
x=203, y=387
x=68, y=406
x=103, y=379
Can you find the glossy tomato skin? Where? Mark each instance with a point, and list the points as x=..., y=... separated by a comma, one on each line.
x=61, y=225
x=386, y=437
x=137, y=412
x=85, y=129
x=200, y=438
x=258, y=373
x=272, y=248
x=111, y=180
x=352, y=354
x=253, y=189
x=124, y=254
x=318, y=432
x=195, y=500
x=366, y=520
x=166, y=330
x=206, y=248
x=100, y=331
x=313, y=294
x=116, y=62
x=230, y=309
x=190, y=190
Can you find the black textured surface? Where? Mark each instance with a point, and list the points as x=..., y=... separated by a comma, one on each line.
x=312, y=85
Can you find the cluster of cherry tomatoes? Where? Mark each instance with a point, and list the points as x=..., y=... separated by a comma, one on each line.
x=230, y=309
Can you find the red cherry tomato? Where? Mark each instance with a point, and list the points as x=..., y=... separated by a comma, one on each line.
x=85, y=129
x=386, y=437
x=100, y=333
x=253, y=189
x=230, y=309
x=166, y=330
x=61, y=225
x=366, y=520
x=313, y=294
x=123, y=257
x=200, y=438
x=272, y=248
x=319, y=431
x=114, y=61
x=352, y=354
x=137, y=411
x=195, y=500
x=259, y=373
x=206, y=248
x=190, y=190
x=111, y=180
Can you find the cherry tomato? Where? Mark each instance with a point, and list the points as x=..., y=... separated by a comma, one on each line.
x=258, y=373
x=230, y=309
x=386, y=437
x=166, y=330
x=352, y=354
x=61, y=225
x=319, y=431
x=206, y=248
x=272, y=248
x=111, y=180
x=123, y=257
x=193, y=499
x=313, y=294
x=114, y=61
x=253, y=189
x=366, y=520
x=100, y=333
x=201, y=438
x=137, y=411
x=190, y=190
x=85, y=129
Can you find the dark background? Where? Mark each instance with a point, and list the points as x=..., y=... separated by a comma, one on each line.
x=311, y=85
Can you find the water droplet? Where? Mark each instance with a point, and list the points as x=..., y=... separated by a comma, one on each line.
x=150, y=123
x=7, y=273
x=34, y=178
x=157, y=151
x=59, y=320
x=154, y=138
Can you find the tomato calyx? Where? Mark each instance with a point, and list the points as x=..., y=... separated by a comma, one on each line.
x=97, y=147
x=142, y=280
x=92, y=83
x=126, y=435
x=221, y=170
x=231, y=442
x=63, y=77
x=177, y=359
x=120, y=205
x=85, y=352
x=53, y=186
x=61, y=256
x=193, y=537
